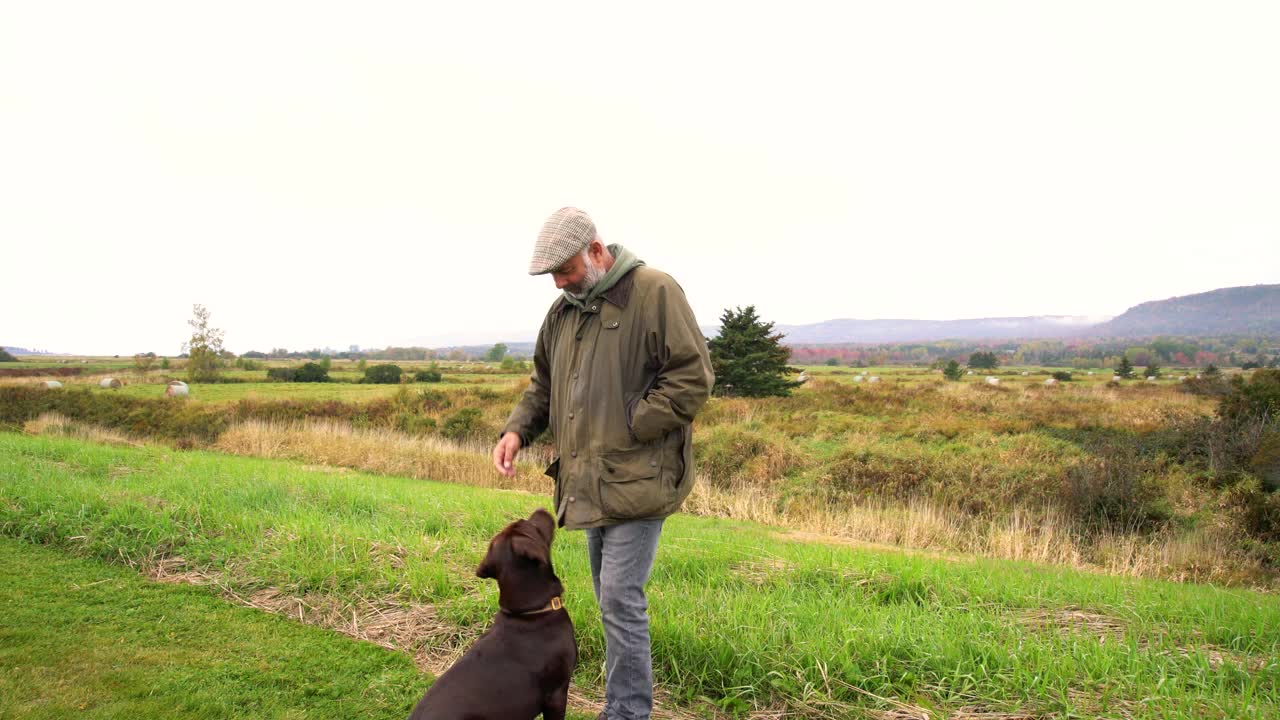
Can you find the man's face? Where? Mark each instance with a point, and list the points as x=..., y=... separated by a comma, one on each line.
x=570, y=275
x=579, y=274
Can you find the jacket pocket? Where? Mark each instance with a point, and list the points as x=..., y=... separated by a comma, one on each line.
x=631, y=484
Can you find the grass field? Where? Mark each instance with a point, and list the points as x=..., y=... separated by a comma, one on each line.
x=1090, y=474
x=745, y=619
x=86, y=639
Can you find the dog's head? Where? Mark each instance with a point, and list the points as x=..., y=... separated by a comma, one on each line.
x=522, y=546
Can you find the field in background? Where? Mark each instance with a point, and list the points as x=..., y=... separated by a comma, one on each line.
x=783, y=624
x=1087, y=473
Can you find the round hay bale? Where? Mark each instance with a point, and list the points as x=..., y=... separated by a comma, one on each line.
x=110, y=383
x=176, y=388
x=52, y=384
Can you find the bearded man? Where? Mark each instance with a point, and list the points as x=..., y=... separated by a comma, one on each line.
x=620, y=371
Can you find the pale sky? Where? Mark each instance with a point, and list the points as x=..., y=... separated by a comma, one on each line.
x=376, y=173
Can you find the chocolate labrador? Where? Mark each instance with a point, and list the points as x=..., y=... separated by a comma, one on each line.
x=521, y=666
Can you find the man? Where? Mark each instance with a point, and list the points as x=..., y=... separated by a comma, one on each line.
x=620, y=371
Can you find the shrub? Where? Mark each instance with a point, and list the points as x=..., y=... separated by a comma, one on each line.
x=1062, y=376
x=984, y=361
x=1117, y=489
x=385, y=374
x=312, y=373
x=6, y=357
x=432, y=400
x=467, y=423
x=1257, y=398
x=727, y=454
x=412, y=424
x=430, y=376
x=282, y=374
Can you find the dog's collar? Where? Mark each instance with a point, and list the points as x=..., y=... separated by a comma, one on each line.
x=555, y=604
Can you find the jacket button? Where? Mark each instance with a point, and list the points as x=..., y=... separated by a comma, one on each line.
x=594, y=308
x=575, y=376
x=573, y=453
x=653, y=463
x=570, y=416
x=572, y=499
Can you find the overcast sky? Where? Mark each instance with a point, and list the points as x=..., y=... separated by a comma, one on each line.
x=376, y=174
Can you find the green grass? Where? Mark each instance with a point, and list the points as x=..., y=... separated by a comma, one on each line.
x=84, y=639
x=741, y=617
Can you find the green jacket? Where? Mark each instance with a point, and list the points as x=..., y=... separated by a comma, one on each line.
x=618, y=382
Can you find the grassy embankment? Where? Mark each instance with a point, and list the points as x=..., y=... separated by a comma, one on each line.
x=744, y=619
x=80, y=638
x=1086, y=473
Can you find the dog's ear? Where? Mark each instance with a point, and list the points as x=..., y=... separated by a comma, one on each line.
x=545, y=524
x=488, y=567
x=528, y=543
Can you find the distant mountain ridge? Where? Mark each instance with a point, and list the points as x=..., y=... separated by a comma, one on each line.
x=894, y=331
x=1246, y=310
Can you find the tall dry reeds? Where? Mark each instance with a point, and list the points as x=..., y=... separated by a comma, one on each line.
x=381, y=451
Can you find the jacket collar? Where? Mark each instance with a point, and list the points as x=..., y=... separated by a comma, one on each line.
x=619, y=294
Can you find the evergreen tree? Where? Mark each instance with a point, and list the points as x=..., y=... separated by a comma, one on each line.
x=1125, y=368
x=1153, y=370
x=747, y=358
x=952, y=370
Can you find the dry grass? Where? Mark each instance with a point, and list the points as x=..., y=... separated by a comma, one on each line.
x=55, y=424
x=382, y=451
x=1042, y=536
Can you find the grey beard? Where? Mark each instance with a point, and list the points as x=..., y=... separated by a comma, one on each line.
x=594, y=276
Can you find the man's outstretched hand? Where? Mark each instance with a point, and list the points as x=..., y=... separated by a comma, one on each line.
x=504, y=454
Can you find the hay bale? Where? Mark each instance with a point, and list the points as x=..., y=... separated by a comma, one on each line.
x=1051, y=381
x=110, y=383
x=874, y=378
x=176, y=388
x=993, y=380
x=52, y=384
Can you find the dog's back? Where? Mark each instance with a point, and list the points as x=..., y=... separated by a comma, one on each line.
x=515, y=670
x=521, y=666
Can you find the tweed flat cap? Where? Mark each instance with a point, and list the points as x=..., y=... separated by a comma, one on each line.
x=563, y=235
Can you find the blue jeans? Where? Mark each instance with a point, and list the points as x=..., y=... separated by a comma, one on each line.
x=621, y=558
